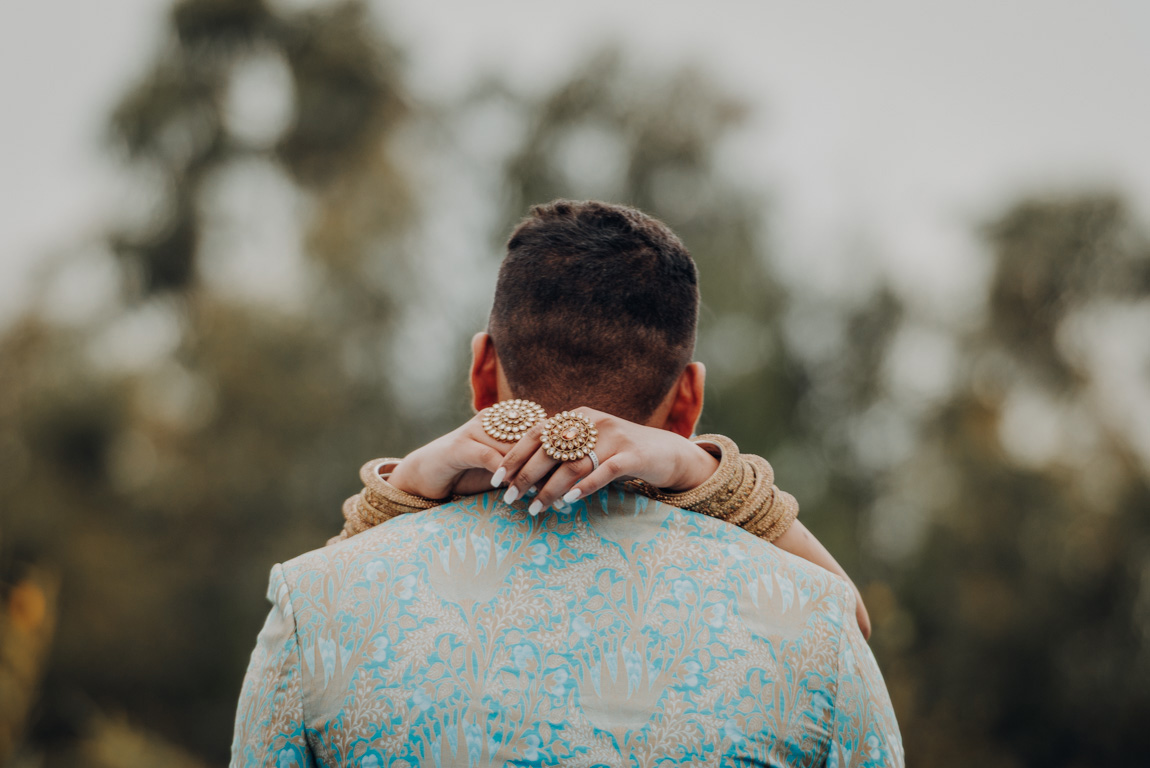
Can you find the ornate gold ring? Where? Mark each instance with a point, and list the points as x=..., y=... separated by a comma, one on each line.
x=507, y=420
x=568, y=436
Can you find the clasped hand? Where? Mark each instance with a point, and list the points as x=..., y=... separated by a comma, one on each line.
x=467, y=460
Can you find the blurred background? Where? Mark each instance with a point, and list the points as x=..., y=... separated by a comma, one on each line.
x=244, y=243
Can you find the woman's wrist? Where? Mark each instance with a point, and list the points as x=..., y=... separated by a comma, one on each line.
x=696, y=466
x=379, y=500
x=401, y=477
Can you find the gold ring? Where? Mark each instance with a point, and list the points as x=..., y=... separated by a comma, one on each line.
x=568, y=436
x=507, y=420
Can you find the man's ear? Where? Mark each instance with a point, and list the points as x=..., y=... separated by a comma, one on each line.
x=687, y=400
x=484, y=372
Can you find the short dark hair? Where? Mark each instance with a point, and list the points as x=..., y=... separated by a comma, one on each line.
x=596, y=304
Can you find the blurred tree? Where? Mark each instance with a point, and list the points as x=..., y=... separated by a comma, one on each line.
x=162, y=484
x=1030, y=594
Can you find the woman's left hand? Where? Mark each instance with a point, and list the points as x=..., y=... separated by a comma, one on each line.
x=460, y=462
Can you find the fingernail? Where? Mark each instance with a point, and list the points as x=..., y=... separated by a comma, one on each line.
x=497, y=478
x=511, y=495
x=535, y=508
x=572, y=495
x=559, y=506
x=533, y=489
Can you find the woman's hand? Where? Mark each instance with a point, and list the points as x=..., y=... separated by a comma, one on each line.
x=467, y=460
x=460, y=462
x=625, y=450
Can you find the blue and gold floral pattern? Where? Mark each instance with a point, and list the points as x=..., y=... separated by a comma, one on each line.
x=627, y=633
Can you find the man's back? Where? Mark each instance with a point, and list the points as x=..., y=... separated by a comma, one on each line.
x=626, y=633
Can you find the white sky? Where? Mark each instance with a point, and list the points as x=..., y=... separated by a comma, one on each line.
x=893, y=122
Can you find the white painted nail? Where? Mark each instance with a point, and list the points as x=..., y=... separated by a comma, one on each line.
x=511, y=495
x=497, y=478
x=572, y=495
x=533, y=489
x=535, y=508
x=559, y=506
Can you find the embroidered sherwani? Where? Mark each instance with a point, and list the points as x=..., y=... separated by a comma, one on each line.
x=627, y=633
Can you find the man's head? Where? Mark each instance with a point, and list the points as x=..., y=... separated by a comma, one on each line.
x=596, y=305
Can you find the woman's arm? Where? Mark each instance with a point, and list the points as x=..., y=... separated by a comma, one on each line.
x=802, y=543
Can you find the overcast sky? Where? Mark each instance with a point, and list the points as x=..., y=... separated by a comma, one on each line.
x=895, y=122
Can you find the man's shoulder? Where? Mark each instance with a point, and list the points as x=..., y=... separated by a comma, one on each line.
x=612, y=527
x=776, y=581
x=394, y=539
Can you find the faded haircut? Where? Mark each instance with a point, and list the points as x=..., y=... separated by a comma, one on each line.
x=596, y=304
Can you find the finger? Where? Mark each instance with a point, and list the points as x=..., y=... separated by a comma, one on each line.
x=471, y=482
x=480, y=455
x=519, y=453
x=536, y=468
x=561, y=481
x=473, y=430
x=610, y=469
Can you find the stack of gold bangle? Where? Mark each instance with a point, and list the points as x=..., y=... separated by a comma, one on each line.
x=741, y=492
x=378, y=502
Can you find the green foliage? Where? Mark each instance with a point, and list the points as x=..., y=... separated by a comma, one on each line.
x=348, y=100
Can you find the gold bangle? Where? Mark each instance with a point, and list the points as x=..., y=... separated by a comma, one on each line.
x=777, y=509
x=376, y=483
x=741, y=492
x=749, y=498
